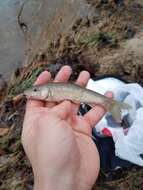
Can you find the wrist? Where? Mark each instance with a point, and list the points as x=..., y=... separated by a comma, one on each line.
x=59, y=183
x=54, y=186
x=59, y=186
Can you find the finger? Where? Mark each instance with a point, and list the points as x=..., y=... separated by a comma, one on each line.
x=83, y=78
x=81, y=81
x=43, y=78
x=62, y=76
x=62, y=110
x=96, y=113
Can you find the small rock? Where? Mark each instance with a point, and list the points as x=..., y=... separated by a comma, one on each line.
x=119, y=2
x=135, y=46
x=7, y=106
x=130, y=32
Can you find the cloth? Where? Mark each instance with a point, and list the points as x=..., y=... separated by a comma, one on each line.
x=110, y=164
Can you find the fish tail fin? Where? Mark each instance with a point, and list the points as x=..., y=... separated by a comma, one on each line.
x=116, y=110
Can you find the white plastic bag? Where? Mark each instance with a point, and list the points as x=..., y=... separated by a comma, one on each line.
x=128, y=143
x=130, y=147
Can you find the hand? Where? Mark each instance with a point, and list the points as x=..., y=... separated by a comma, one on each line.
x=61, y=157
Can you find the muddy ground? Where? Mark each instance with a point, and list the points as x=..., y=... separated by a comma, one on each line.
x=108, y=41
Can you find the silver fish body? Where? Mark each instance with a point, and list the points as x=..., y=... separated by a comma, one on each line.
x=56, y=92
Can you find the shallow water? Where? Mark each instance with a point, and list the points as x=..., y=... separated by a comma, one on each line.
x=11, y=38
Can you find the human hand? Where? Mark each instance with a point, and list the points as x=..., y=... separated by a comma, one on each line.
x=61, y=157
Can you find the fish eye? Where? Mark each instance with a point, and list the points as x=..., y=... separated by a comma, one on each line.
x=35, y=90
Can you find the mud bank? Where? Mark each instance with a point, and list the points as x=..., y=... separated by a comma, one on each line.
x=105, y=40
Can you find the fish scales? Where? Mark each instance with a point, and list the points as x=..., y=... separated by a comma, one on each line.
x=60, y=92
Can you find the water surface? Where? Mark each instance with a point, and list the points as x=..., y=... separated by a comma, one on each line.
x=11, y=38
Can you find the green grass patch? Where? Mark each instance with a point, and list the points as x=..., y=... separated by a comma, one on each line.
x=96, y=39
x=27, y=83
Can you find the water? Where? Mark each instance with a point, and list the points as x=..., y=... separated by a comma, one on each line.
x=11, y=38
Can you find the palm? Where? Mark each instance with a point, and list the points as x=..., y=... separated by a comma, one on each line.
x=78, y=143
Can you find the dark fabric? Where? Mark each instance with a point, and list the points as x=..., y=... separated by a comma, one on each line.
x=109, y=161
x=113, y=166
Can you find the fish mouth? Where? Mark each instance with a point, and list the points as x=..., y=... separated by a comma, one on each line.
x=26, y=95
x=29, y=96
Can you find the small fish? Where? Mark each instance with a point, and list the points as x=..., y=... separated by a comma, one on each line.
x=55, y=92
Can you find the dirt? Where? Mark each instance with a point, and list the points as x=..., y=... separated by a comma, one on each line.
x=108, y=41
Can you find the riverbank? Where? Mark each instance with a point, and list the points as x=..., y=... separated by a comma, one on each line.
x=105, y=41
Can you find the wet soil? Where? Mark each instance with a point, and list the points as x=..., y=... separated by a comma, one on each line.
x=105, y=41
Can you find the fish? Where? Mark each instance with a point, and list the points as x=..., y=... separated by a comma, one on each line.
x=56, y=92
